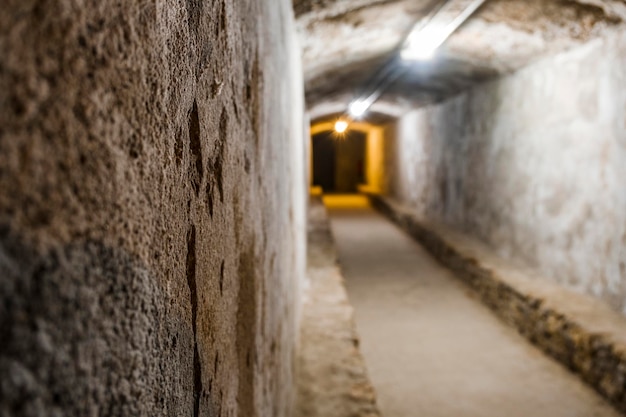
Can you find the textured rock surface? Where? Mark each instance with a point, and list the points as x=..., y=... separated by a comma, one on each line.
x=345, y=41
x=581, y=333
x=332, y=379
x=532, y=165
x=151, y=213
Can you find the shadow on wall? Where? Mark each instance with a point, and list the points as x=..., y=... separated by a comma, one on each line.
x=89, y=321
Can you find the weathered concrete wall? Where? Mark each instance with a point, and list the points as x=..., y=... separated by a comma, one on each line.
x=151, y=207
x=374, y=159
x=532, y=164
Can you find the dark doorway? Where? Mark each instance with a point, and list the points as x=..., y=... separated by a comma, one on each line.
x=324, y=160
x=339, y=161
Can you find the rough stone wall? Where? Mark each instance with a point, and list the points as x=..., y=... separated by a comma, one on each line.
x=532, y=164
x=151, y=207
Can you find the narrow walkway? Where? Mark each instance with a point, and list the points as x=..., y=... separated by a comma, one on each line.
x=332, y=380
x=431, y=349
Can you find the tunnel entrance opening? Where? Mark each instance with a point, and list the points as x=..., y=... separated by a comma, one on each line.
x=339, y=161
x=324, y=158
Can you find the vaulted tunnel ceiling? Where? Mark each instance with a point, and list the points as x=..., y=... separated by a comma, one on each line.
x=346, y=41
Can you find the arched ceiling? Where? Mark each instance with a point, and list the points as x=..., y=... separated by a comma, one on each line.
x=346, y=41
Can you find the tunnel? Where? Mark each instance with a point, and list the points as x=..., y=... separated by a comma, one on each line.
x=313, y=208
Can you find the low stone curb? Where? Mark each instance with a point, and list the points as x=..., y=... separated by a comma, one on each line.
x=580, y=332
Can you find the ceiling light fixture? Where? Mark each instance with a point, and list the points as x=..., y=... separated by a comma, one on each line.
x=359, y=107
x=424, y=40
x=422, y=43
x=341, y=126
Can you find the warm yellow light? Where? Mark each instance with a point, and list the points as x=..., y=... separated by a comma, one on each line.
x=341, y=126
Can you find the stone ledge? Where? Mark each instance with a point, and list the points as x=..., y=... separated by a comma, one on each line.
x=580, y=332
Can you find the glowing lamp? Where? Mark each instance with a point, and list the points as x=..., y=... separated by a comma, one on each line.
x=422, y=45
x=358, y=108
x=341, y=126
x=418, y=52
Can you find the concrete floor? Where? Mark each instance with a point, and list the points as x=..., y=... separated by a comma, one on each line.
x=331, y=377
x=430, y=347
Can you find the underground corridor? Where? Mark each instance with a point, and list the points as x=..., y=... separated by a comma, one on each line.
x=313, y=208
